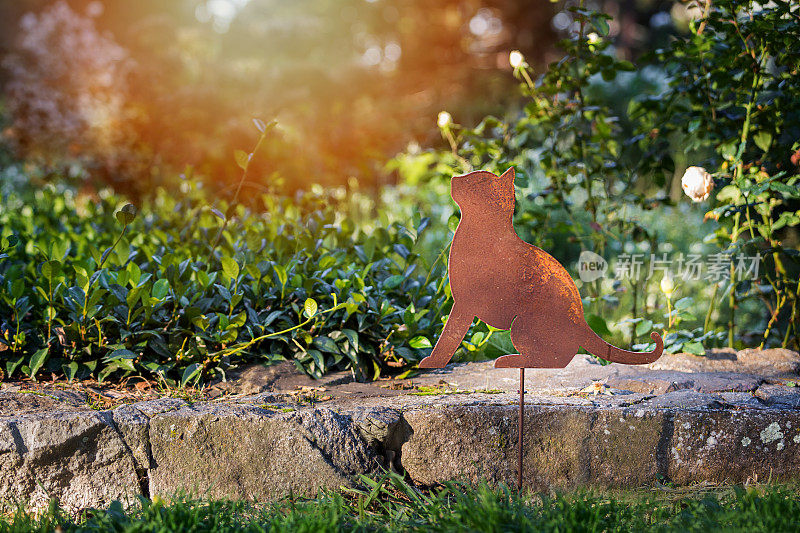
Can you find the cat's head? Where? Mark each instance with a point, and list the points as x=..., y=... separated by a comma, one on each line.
x=484, y=193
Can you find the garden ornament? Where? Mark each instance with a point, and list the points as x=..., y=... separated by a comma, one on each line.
x=512, y=285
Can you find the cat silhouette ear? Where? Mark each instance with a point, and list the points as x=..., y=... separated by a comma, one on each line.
x=509, y=174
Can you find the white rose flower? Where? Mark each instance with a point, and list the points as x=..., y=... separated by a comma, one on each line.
x=697, y=183
x=667, y=285
x=444, y=119
x=516, y=58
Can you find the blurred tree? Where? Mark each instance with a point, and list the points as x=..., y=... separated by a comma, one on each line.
x=350, y=81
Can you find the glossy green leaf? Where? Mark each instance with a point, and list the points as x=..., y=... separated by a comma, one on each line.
x=230, y=267
x=126, y=214
x=191, y=373
x=310, y=308
x=160, y=289
x=598, y=324
x=420, y=342
x=37, y=360
x=644, y=327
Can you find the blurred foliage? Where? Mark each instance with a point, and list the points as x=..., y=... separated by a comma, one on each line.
x=351, y=82
x=586, y=182
x=733, y=105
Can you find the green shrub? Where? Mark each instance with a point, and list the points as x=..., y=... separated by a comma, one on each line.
x=90, y=289
x=591, y=180
x=733, y=106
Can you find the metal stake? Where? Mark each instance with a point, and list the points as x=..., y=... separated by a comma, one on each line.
x=521, y=420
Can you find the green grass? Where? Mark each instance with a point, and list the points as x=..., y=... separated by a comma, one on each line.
x=391, y=504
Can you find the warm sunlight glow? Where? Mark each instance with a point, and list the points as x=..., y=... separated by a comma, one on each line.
x=219, y=12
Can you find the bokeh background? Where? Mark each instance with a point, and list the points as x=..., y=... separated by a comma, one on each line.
x=134, y=91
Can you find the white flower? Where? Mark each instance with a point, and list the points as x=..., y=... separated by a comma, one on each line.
x=444, y=119
x=516, y=59
x=697, y=183
x=667, y=285
x=593, y=38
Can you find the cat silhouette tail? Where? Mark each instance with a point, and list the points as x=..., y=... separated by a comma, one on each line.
x=595, y=345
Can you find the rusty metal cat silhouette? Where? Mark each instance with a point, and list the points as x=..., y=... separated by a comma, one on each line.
x=512, y=285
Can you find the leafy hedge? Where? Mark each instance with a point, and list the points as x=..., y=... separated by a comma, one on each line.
x=311, y=279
